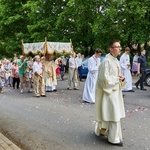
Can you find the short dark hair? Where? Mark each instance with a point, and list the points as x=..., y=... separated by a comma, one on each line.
x=143, y=50
x=127, y=49
x=112, y=42
x=98, y=50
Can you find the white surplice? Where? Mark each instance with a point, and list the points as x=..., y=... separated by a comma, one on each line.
x=125, y=70
x=89, y=87
x=108, y=100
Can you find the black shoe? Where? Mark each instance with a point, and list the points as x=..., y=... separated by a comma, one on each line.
x=116, y=144
x=136, y=86
x=48, y=91
x=128, y=91
x=143, y=89
x=102, y=135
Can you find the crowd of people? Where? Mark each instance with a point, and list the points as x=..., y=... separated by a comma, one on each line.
x=105, y=82
x=40, y=73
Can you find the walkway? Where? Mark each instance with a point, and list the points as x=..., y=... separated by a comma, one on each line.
x=6, y=144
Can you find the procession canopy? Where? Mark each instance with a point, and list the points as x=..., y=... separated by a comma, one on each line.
x=34, y=48
x=47, y=47
x=59, y=47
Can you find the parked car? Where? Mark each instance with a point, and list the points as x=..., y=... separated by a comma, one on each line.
x=85, y=66
x=147, y=78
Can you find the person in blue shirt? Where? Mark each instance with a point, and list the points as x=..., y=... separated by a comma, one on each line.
x=80, y=67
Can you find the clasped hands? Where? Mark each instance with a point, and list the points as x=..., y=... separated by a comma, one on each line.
x=121, y=77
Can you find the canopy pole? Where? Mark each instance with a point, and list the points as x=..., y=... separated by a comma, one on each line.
x=22, y=47
x=71, y=46
x=45, y=46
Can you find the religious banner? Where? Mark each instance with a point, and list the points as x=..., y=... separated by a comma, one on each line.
x=47, y=47
x=59, y=47
x=34, y=48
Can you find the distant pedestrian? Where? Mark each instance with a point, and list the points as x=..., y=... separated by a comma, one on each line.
x=135, y=63
x=126, y=70
x=7, y=67
x=22, y=65
x=72, y=76
x=141, y=70
x=64, y=61
x=67, y=65
x=80, y=67
x=62, y=69
x=57, y=61
x=2, y=80
x=30, y=68
x=89, y=87
x=83, y=57
x=15, y=75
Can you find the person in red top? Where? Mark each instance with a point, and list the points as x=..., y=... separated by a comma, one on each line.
x=58, y=68
x=15, y=75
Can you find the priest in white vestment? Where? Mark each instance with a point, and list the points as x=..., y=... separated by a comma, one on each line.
x=108, y=100
x=50, y=73
x=126, y=70
x=89, y=87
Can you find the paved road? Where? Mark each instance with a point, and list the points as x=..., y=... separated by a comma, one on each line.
x=62, y=121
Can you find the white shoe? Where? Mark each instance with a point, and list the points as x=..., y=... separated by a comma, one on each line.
x=29, y=91
x=38, y=95
x=21, y=91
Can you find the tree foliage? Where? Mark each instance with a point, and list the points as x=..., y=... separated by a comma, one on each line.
x=89, y=23
x=12, y=26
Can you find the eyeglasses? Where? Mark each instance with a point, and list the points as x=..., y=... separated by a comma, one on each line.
x=116, y=47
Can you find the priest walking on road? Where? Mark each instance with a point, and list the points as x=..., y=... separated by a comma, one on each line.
x=108, y=100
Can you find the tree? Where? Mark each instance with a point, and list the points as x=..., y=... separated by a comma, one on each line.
x=43, y=15
x=13, y=22
x=127, y=20
x=89, y=23
x=75, y=22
